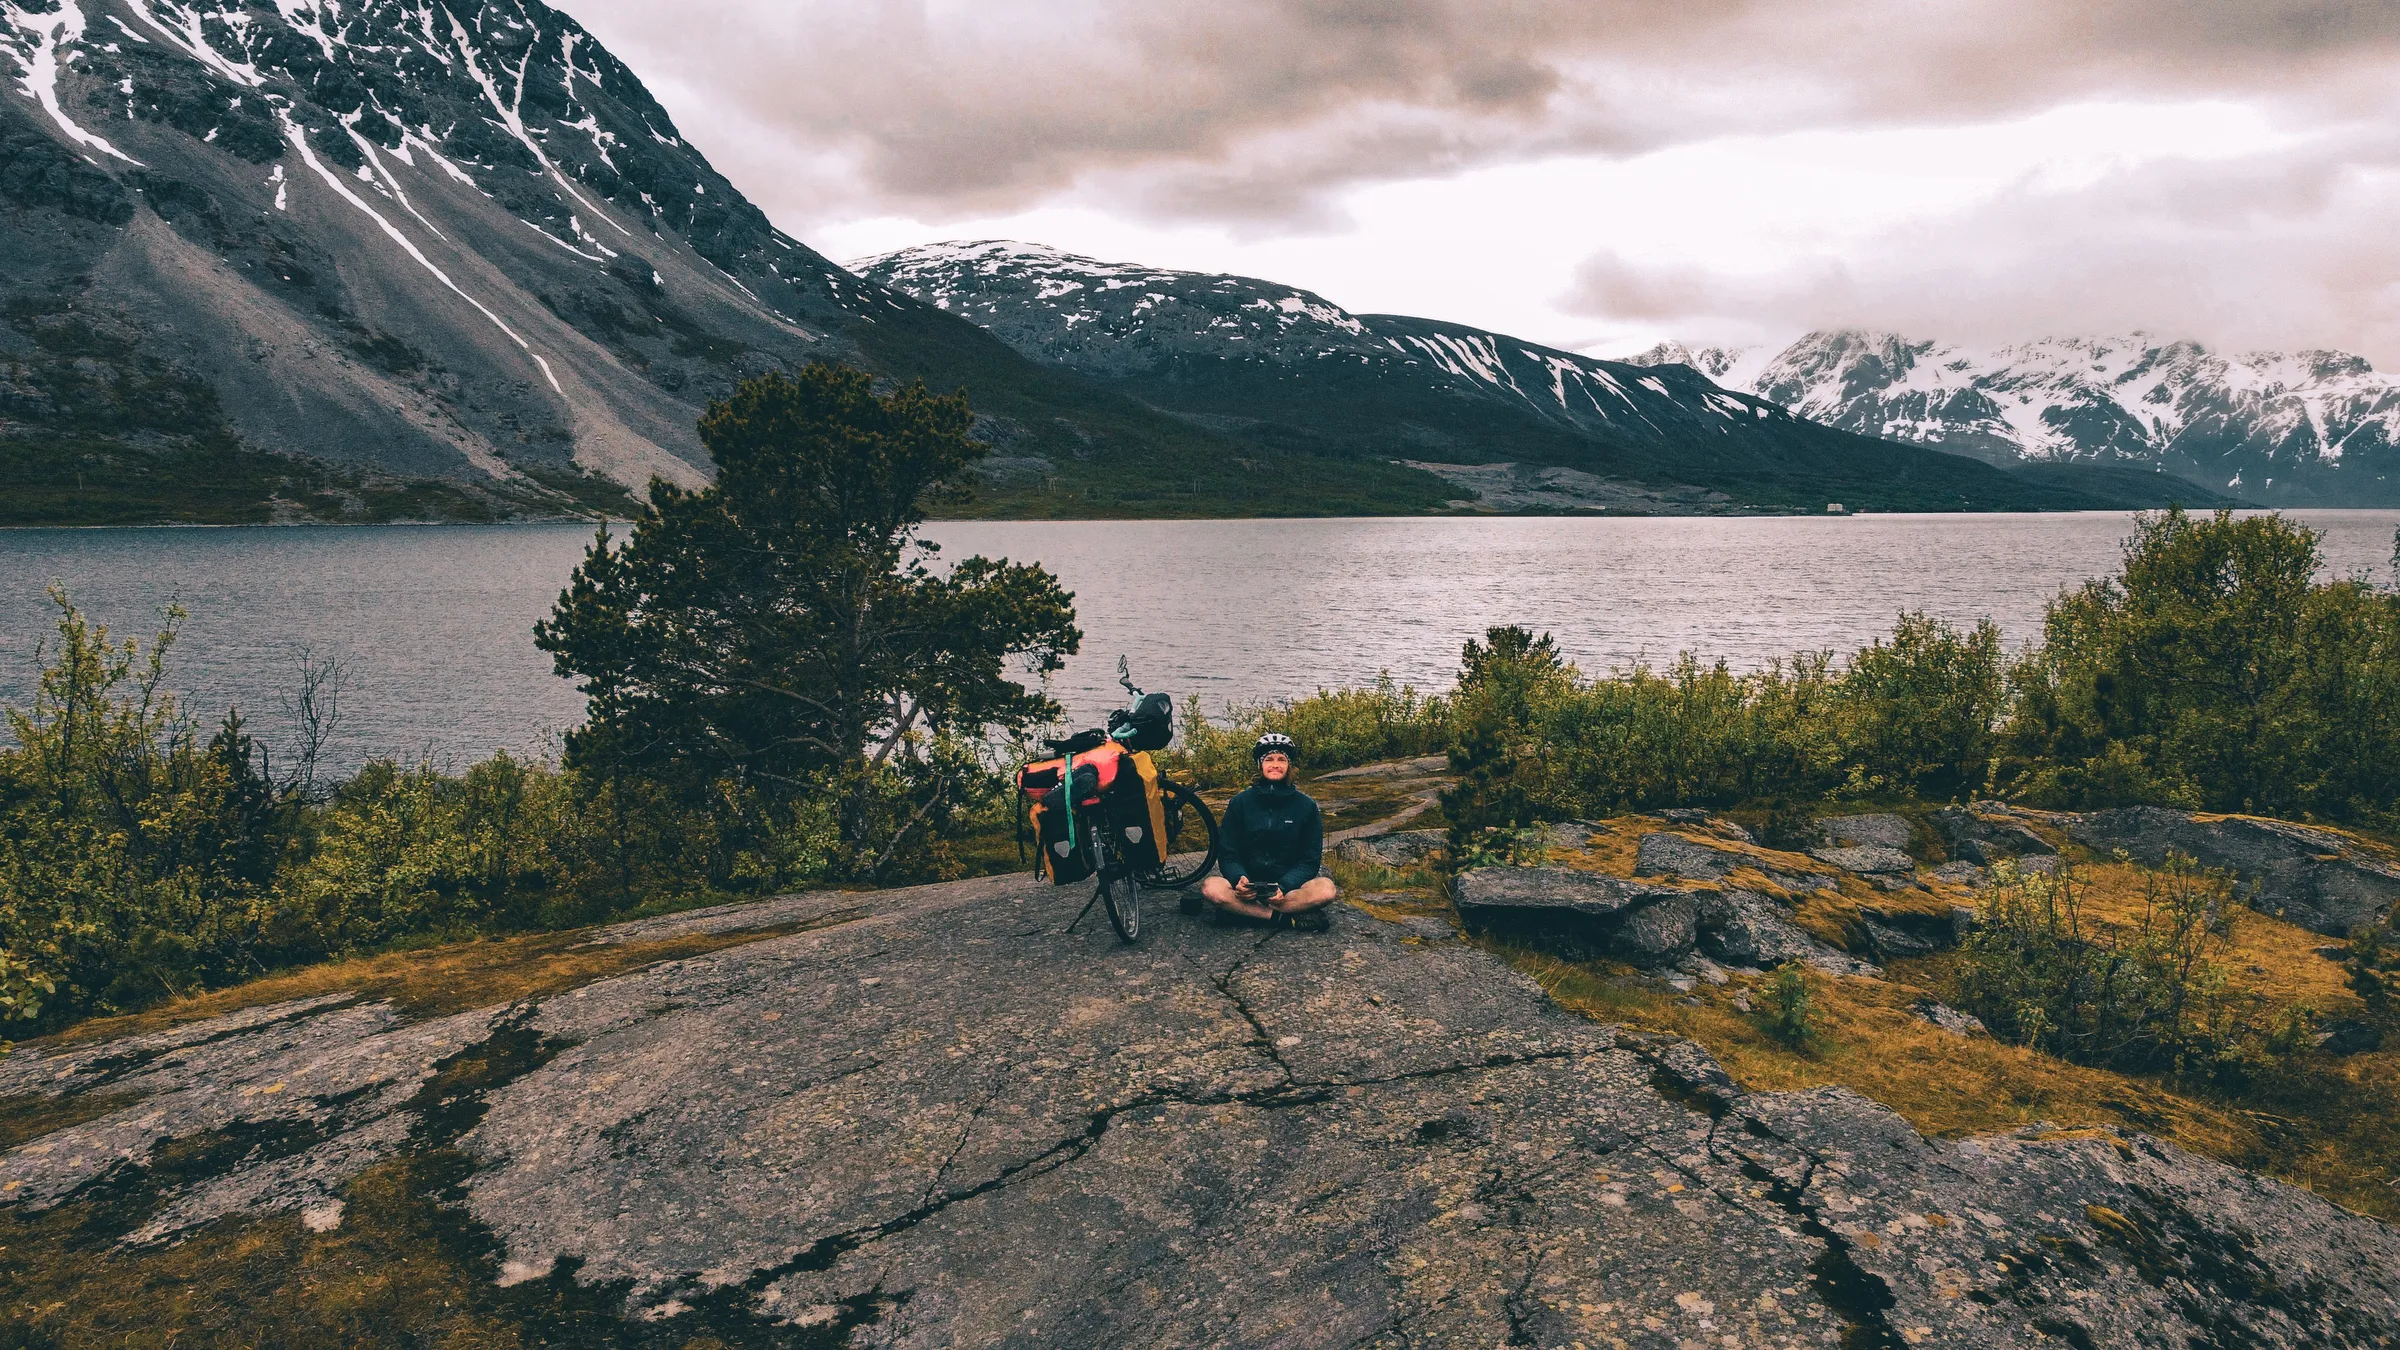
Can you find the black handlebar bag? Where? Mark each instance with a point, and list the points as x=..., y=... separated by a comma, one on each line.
x=1147, y=725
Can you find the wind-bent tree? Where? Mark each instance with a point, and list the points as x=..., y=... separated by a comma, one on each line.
x=781, y=638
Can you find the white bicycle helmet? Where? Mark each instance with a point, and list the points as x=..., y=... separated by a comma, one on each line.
x=1273, y=743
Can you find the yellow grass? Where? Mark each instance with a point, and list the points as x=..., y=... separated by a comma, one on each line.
x=439, y=980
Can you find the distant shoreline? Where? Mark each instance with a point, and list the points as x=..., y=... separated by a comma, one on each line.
x=621, y=521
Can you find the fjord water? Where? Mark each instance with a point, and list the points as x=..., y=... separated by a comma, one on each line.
x=434, y=624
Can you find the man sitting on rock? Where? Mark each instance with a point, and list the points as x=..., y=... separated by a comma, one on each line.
x=1272, y=847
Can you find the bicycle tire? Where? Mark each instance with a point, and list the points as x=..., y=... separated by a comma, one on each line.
x=1183, y=807
x=1120, y=894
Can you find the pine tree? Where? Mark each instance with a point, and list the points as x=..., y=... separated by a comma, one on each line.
x=783, y=635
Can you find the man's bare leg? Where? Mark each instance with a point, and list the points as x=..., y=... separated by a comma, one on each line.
x=1316, y=894
x=1219, y=892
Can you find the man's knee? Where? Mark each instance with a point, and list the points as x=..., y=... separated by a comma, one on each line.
x=1217, y=890
x=1316, y=893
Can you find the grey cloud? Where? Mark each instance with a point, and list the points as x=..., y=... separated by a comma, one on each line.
x=2282, y=251
x=1258, y=110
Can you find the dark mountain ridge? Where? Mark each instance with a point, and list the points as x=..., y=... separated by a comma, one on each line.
x=1287, y=367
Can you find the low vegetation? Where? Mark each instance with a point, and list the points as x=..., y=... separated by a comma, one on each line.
x=2243, y=1088
x=2144, y=988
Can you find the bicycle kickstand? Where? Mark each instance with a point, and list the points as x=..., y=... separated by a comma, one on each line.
x=1087, y=908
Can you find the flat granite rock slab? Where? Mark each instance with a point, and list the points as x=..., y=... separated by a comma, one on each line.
x=807, y=909
x=1400, y=848
x=2090, y=1238
x=951, y=1122
x=1559, y=890
x=1421, y=767
x=1659, y=854
x=323, y=1076
x=1219, y=1136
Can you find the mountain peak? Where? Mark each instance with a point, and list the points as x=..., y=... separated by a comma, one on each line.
x=2313, y=427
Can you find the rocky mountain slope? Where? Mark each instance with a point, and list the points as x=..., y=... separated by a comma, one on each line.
x=2314, y=428
x=933, y=1117
x=1290, y=368
x=417, y=257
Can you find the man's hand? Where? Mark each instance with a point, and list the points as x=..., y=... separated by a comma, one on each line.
x=1245, y=892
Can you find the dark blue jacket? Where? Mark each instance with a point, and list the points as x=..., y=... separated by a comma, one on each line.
x=1272, y=832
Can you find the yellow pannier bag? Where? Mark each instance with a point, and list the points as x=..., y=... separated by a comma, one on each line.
x=1147, y=774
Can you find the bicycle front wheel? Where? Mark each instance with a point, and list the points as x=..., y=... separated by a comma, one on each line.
x=1191, y=840
x=1122, y=897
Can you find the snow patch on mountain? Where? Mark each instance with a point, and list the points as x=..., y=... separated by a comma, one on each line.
x=36, y=41
x=2324, y=425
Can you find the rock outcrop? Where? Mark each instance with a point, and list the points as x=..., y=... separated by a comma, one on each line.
x=1986, y=833
x=949, y=1122
x=2316, y=878
x=1656, y=918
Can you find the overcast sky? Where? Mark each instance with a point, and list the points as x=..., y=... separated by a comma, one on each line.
x=1599, y=174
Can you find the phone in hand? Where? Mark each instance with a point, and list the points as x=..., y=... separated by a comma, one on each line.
x=1268, y=891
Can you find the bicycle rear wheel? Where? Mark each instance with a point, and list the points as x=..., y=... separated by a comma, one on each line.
x=1191, y=829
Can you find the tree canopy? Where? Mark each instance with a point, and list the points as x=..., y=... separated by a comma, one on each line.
x=784, y=636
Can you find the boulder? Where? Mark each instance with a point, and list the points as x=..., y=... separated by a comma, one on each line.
x=1660, y=931
x=1962, y=874
x=1693, y=815
x=1584, y=914
x=1878, y=831
x=1986, y=834
x=1949, y=1019
x=1568, y=834
x=1897, y=936
x=1867, y=860
x=2315, y=878
x=1401, y=848
x=1560, y=908
x=2349, y=1036
x=1743, y=928
x=1672, y=855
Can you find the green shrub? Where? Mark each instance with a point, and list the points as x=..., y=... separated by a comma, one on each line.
x=2373, y=967
x=1788, y=1007
x=139, y=861
x=1536, y=741
x=132, y=854
x=1918, y=713
x=2152, y=996
x=2213, y=672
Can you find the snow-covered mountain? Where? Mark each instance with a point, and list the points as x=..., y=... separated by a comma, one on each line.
x=1121, y=320
x=2304, y=428
x=411, y=257
x=1291, y=367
